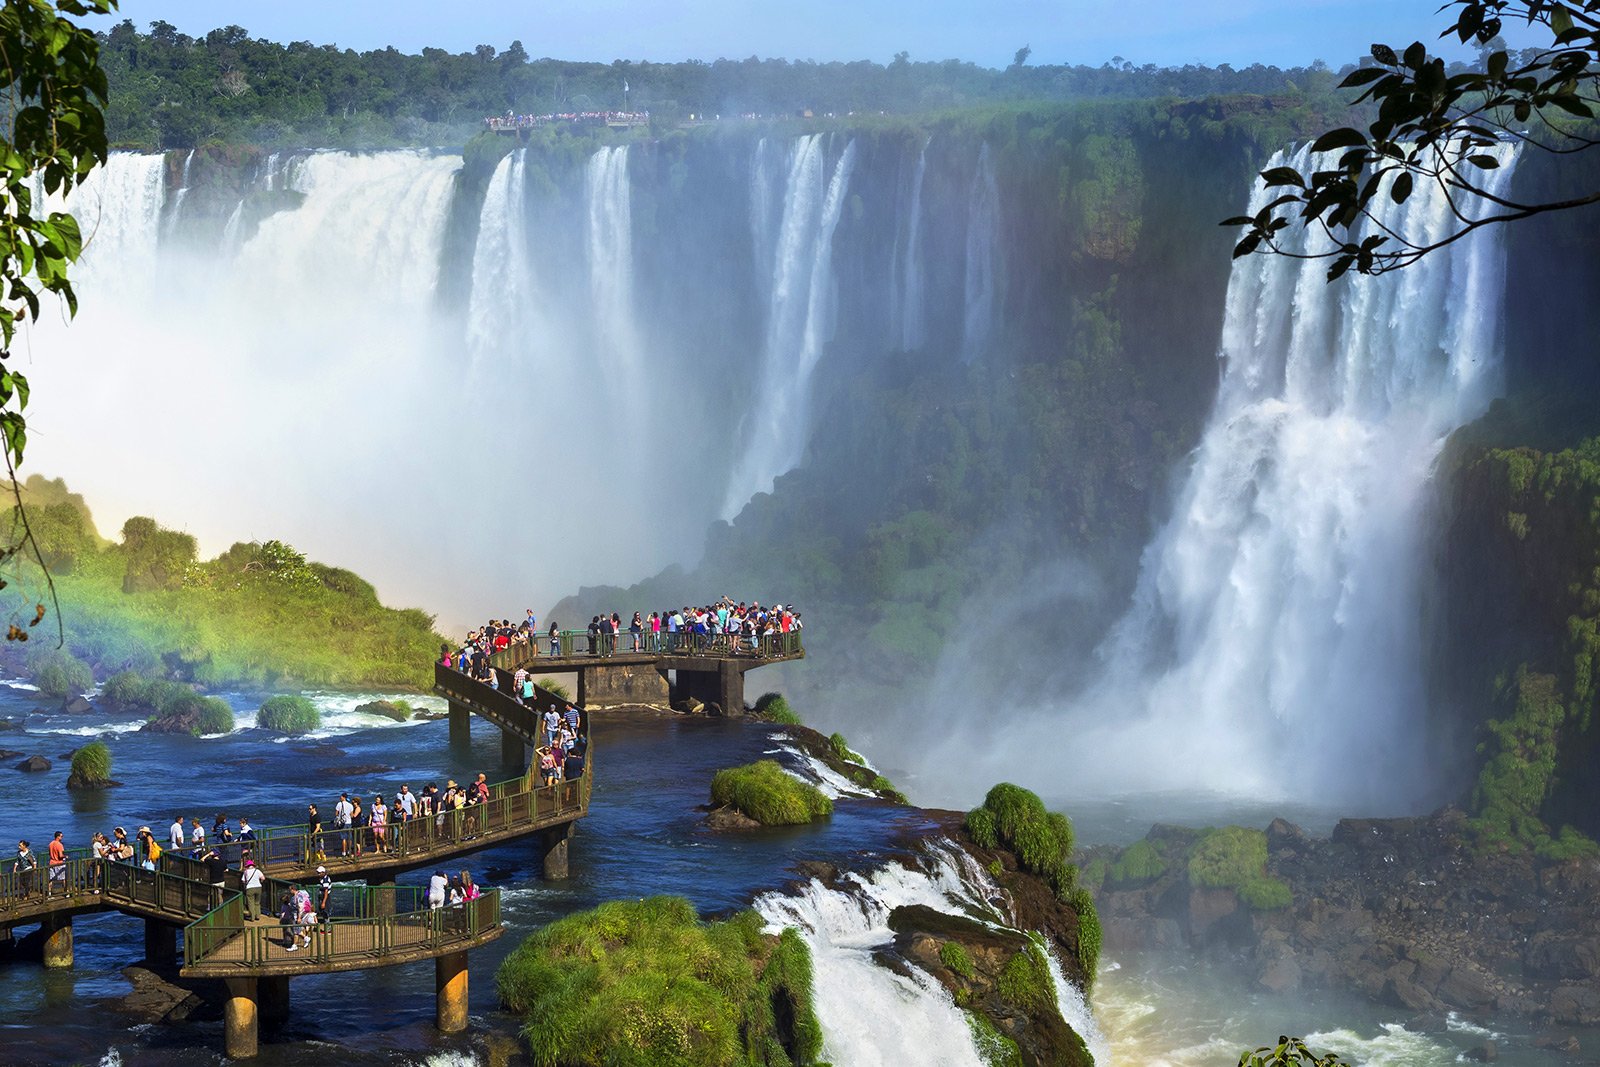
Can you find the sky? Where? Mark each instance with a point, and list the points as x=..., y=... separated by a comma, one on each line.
x=1164, y=32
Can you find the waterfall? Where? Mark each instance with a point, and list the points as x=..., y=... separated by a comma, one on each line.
x=232, y=229
x=118, y=208
x=872, y=1016
x=1277, y=615
x=182, y=191
x=799, y=318
x=982, y=260
x=906, y=310
x=610, y=248
x=502, y=275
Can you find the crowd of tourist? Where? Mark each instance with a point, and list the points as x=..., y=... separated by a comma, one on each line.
x=512, y=121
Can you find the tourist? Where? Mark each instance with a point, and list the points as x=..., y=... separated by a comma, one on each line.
x=655, y=632
x=407, y=804
x=216, y=874
x=175, y=833
x=246, y=832
x=149, y=851
x=219, y=829
x=121, y=849
x=380, y=825
x=100, y=849
x=425, y=801
x=251, y=878
x=552, y=725
x=342, y=812
x=358, y=826
x=636, y=629
x=436, y=890
x=572, y=764
x=469, y=891
x=594, y=635
x=549, y=773
x=289, y=920
x=481, y=788
x=324, y=895
x=572, y=718
x=526, y=692
x=555, y=641
x=24, y=867
x=57, y=866
x=197, y=838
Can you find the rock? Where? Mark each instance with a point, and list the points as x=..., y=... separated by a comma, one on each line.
x=7, y=724
x=1575, y=1005
x=9, y=753
x=1553, y=955
x=1558, y=1042
x=1283, y=834
x=692, y=706
x=75, y=782
x=1466, y=987
x=1207, y=907
x=34, y=764
x=730, y=819
x=388, y=709
x=1409, y=995
x=182, y=722
x=1487, y=1052
x=1280, y=976
x=359, y=769
x=76, y=706
x=155, y=999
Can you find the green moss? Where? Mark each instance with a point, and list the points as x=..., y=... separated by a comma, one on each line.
x=994, y=1048
x=1090, y=934
x=645, y=982
x=954, y=955
x=59, y=673
x=766, y=794
x=1265, y=893
x=1016, y=818
x=1227, y=858
x=91, y=764
x=774, y=708
x=995, y=868
x=887, y=788
x=1025, y=981
x=1094, y=874
x=1139, y=862
x=288, y=715
x=1570, y=844
x=1517, y=774
x=841, y=748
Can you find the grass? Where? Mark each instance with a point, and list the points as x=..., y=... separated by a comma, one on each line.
x=555, y=687
x=1017, y=819
x=1025, y=981
x=59, y=673
x=646, y=982
x=994, y=1048
x=766, y=794
x=841, y=748
x=289, y=715
x=1235, y=858
x=1140, y=862
x=91, y=764
x=955, y=957
x=774, y=708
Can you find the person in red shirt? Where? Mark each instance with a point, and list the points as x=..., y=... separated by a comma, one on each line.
x=58, y=865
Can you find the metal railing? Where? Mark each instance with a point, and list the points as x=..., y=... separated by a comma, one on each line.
x=413, y=927
x=573, y=644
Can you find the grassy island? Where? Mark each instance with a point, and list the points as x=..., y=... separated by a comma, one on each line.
x=762, y=791
x=646, y=982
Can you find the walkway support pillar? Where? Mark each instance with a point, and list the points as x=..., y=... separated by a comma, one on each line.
x=273, y=997
x=513, y=753
x=240, y=1021
x=160, y=941
x=460, y=724
x=554, y=843
x=57, y=930
x=730, y=688
x=450, y=988
x=381, y=896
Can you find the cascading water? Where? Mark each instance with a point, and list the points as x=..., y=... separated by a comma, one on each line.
x=906, y=310
x=1277, y=615
x=799, y=318
x=609, y=236
x=872, y=1016
x=983, y=260
x=118, y=209
x=502, y=273
x=182, y=191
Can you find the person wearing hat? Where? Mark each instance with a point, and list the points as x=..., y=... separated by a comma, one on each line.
x=216, y=874
x=324, y=894
x=252, y=879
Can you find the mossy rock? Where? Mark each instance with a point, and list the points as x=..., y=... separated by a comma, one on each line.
x=91, y=767
x=398, y=710
x=764, y=792
x=292, y=715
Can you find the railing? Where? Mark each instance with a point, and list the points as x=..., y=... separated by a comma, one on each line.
x=410, y=928
x=177, y=888
x=575, y=644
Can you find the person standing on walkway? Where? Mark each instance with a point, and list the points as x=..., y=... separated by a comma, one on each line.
x=552, y=725
x=216, y=874
x=175, y=833
x=436, y=888
x=324, y=896
x=252, y=880
x=24, y=867
x=289, y=919
x=58, y=867
x=197, y=839
x=341, y=822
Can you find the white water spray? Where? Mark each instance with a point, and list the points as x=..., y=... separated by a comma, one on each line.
x=983, y=260
x=906, y=311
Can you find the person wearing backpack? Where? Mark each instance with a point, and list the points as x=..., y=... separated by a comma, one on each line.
x=253, y=880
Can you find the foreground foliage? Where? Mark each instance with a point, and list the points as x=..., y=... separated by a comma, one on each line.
x=646, y=982
x=1288, y=1052
x=764, y=792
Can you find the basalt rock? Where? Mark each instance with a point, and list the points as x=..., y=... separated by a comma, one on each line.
x=76, y=706
x=727, y=818
x=388, y=709
x=34, y=764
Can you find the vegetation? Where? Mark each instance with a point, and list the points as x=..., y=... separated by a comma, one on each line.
x=259, y=614
x=645, y=982
x=1288, y=1052
x=841, y=748
x=1437, y=125
x=1025, y=980
x=1090, y=934
x=996, y=1049
x=1139, y=862
x=58, y=673
x=1235, y=857
x=954, y=955
x=774, y=708
x=556, y=687
x=289, y=715
x=765, y=793
x=1016, y=819
x=91, y=765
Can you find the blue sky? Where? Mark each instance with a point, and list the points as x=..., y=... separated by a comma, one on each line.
x=1285, y=32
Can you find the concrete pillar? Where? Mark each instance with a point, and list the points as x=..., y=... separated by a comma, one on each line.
x=513, y=753
x=554, y=843
x=57, y=930
x=731, y=688
x=382, y=896
x=273, y=997
x=240, y=1025
x=450, y=988
x=160, y=941
x=460, y=725
x=583, y=688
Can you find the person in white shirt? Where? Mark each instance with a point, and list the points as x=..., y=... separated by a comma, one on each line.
x=436, y=888
x=197, y=838
x=176, y=832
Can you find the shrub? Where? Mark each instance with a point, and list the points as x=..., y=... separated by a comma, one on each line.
x=1265, y=893
x=1139, y=862
x=645, y=982
x=766, y=794
x=994, y=1048
x=1570, y=844
x=841, y=748
x=1229, y=857
x=58, y=673
x=556, y=687
x=1016, y=818
x=91, y=764
x=1025, y=980
x=127, y=689
x=216, y=717
x=288, y=715
x=954, y=955
x=885, y=786
x=1090, y=934
x=773, y=708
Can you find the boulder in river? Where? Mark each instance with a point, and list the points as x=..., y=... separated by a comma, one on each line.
x=34, y=763
x=76, y=705
x=399, y=712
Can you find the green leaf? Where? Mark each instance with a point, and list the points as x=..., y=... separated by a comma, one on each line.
x=1401, y=189
x=1344, y=137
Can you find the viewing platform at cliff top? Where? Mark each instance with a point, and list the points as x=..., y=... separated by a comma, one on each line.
x=667, y=669
x=616, y=120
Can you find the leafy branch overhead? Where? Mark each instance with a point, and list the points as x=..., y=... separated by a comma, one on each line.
x=1434, y=124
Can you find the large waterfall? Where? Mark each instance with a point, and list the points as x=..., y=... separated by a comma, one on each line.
x=1274, y=646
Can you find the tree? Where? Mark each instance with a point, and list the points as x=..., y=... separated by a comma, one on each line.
x=1021, y=58
x=1435, y=125
x=55, y=99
